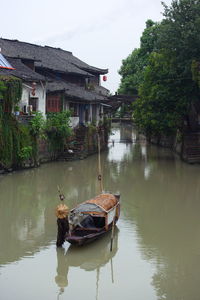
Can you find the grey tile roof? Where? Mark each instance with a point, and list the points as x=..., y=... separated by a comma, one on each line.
x=74, y=91
x=66, y=55
x=21, y=71
x=48, y=57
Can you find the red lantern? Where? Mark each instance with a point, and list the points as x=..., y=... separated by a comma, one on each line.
x=104, y=78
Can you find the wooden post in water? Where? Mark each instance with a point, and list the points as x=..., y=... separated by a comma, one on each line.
x=99, y=164
x=112, y=273
x=112, y=234
x=62, y=220
x=97, y=284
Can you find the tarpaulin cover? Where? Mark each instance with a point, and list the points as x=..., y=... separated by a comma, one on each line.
x=101, y=203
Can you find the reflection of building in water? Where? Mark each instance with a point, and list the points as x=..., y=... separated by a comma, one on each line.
x=89, y=257
x=126, y=133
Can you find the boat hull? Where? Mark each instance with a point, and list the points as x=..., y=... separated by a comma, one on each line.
x=80, y=240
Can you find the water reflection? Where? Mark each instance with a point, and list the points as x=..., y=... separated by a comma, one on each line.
x=162, y=200
x=91, y=257
x=168, y=228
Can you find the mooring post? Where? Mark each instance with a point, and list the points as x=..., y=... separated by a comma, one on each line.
x=112, y=234
x=62, y=220
x=63, y=228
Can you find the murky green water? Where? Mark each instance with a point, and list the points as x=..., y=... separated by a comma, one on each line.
x=156, y=253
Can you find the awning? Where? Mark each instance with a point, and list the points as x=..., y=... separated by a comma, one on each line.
x=4, y=64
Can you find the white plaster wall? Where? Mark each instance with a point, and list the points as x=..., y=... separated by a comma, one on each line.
x=101, y=109
x=98, y=111
x=25, y=96
x=74, y=121
x=66, y=105
x=90, y=113
x=40, y=93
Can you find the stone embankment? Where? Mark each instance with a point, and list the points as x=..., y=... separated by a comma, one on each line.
x=82, y=144
x=191, y=147
x=188, y=148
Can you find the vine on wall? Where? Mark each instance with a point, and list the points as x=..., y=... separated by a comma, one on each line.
x=13, y=136
x=57, y=129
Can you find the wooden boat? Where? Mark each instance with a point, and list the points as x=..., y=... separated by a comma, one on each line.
x=89, y=220
x=93, y=218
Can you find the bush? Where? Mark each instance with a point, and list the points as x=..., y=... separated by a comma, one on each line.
x=58, y=129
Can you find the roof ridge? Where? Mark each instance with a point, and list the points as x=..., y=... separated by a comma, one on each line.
x=22, y=42
x=58, y=48
x=32, y=44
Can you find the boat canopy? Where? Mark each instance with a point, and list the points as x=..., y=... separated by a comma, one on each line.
x=99, y=204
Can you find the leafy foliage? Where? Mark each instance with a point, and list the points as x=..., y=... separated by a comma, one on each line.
x=168, y=76
x=13, y=138
x=161, y=105
x=2, y=89
x=12, y=134
x=25, y=152
x=37, y=124
x=58, y=129
x=132, y=69
x=10, y=91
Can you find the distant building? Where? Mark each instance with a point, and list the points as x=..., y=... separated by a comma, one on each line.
x=33, y=85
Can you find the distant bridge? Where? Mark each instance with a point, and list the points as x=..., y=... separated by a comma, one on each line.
x=116, y=101
x=126, y=119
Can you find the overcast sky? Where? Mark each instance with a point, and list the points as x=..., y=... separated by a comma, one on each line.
x=101, y=33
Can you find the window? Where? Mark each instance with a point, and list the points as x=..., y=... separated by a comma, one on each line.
x=53, y=103
x=34, y=103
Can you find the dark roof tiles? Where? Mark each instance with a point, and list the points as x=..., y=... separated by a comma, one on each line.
x=21, y=71
x=66, y=55
x=74, y=91
x=48, y=57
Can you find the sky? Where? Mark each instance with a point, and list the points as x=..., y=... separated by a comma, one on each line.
x=101, y=33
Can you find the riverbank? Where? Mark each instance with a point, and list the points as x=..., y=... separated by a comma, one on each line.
x=81, y=144
x=186, y=145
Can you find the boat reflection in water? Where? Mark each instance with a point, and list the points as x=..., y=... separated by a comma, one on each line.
x=89, y=258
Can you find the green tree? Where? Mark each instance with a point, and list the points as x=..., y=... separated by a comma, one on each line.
x=180, y=38
x=132, y=69
x=169, y=81
x=161, y=106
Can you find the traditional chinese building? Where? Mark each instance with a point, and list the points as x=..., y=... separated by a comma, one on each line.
x=56, y=80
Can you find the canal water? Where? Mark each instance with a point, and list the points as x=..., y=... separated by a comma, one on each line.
x=156, y=251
